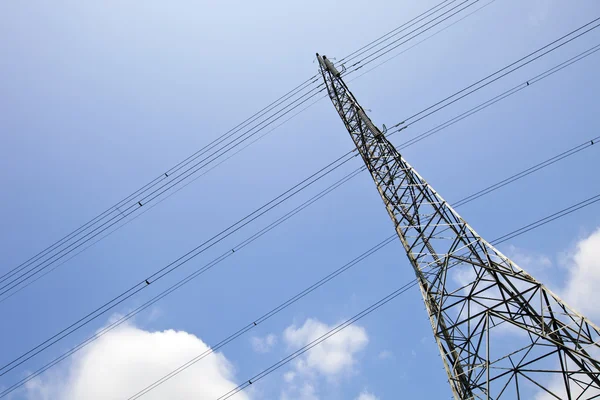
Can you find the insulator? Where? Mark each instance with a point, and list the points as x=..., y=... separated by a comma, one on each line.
x=331, y=68
x=369, y=124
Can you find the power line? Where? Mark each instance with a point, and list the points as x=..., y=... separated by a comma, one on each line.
x=423, y=40
x=266, y=316
x=117, y=300
x=413, y=122
x=196, y=154
x=136, y=288
x=320, y=339
x=396, y=31
x=418, y=213
x=528, y=171
x=360, y=62
x=131, y=209
x=118, y=214
x=132, y=291
x=480, y=107
x=146, y=209
x=221, y=258
x=403, y=289
x=546, y=220
x=504, y=69
x=144, y=200
x=157, y=179
x=162, y=272
x=122, y=214
x=373, y=249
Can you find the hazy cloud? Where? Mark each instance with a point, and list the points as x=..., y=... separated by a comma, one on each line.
x=364, y=395
x=306, y=391
x=385, y=355
x=263, y=344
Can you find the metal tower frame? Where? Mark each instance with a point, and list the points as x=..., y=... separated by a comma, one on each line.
x=501, y=334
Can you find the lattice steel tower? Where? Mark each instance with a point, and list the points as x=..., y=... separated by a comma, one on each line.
x=501, y=333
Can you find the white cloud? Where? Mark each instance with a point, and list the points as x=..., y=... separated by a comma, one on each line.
x=331, y=357
x=581, y=289
x=557, y=386
x=263, y=344
x=128, y=359
x=580, y=292
x=366, y=396
x=578, y=289
x=326, y=361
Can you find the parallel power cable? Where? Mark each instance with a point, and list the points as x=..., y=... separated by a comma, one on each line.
x=421, y=41
x=394, y=32
x=243, y=244
x=529, y=82
x=552, y=46
x=588, y=204
x=160, y=178
x=137, y=203
x=15, y=282
x=201, y=151
x=525, y=84
x=169, y=268
x=119, y=217
x=123, y=213
x=528, y=171
x=109, y=306
x=360, y=63
x=265, y=316
x=194, y=156
x=402, y=125
x=320, y=339
x=350, y=264
x=146, y=209
x=403, y=289
x=19, y=282
x=137, y=288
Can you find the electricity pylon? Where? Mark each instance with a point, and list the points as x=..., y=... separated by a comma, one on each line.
x=501, y=334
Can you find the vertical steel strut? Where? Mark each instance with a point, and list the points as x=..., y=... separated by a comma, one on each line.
x=501, y=333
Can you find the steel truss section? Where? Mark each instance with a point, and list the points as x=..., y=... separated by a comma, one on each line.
x=501, y=334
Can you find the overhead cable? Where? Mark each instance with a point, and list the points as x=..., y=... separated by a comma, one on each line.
x=135, y=289
x=235, y=249
x=338, y=328
x=29, y=271
x=119, y=299
x=510, y=68
x=123, y=296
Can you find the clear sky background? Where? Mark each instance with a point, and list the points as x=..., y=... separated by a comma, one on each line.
x=98, y=98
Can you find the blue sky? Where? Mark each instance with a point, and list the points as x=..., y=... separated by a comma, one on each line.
x=99, y=98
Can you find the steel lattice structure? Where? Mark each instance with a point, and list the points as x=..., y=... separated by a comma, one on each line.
x=500, y=333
